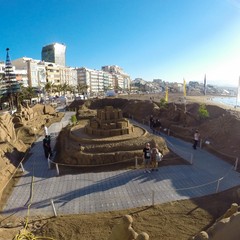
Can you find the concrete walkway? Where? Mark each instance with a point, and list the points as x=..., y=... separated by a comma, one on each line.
x=109, y=191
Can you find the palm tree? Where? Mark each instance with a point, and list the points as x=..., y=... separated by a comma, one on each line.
x=65, y=88
x=27, y=93
x=82, y=88
x=57, y=88
x=48, y=87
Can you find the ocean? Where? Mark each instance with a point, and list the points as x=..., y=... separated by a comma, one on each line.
x=230, y=101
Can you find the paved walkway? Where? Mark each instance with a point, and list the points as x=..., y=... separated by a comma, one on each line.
x=108, y=191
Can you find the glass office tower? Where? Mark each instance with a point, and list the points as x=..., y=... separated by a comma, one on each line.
x=55, y=53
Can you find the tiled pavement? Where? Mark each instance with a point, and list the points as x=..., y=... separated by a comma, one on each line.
x=107, y=191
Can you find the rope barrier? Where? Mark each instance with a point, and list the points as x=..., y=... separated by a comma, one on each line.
x=153, y=192
x=135, y=160
x=95, y=165
x=197, y=186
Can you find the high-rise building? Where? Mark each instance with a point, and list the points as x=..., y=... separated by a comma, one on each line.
x=54, y=53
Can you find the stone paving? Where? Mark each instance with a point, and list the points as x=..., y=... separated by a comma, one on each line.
x=116, y=190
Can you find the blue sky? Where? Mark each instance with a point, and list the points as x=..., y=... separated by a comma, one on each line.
x=165, y=39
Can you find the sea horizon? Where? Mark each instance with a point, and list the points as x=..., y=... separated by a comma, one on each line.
x=230, y=101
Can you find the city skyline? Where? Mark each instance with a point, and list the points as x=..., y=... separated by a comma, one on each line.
x=168, y=40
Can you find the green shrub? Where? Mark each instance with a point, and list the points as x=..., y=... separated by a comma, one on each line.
x=73, y=119
x=163, y=103
x=203, y=112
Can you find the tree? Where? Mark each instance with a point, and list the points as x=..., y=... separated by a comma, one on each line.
x=203, y=112
x=27, y=93
x=9, y=86
x=82, y=88
x=73, y=119
x=65, y=88
x=48, y=87
x=162, y=103
x=57, y=88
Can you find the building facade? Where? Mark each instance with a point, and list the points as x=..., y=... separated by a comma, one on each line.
x=98, y=81
x=32, y=72
x=54, y=53
x=95, y=80
x=36, y=73
x=121, y=80
x=51, y=69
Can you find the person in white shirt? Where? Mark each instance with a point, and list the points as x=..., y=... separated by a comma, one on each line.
x=45, y=130
x=196, y=139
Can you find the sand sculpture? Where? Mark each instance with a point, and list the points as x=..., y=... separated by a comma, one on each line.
x=8, y=144
x=227, y=227
x=7, y=132
x=26, y=114
x=124, y=231
x=233, y=209
x=107, y=138
x=17, y=131
x=109, y=122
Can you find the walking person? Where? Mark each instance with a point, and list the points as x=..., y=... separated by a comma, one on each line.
x=196, y=139
x=151, y=120
x=47, y=146
x=156, y=157
x=45, y=130
x=147, y=158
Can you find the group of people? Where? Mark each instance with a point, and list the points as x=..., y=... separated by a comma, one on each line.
x=154, y=123
x=151, y=158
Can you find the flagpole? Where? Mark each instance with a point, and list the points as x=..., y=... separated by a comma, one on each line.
x=166, y=94
x=205, y=80
x=184, y=95
x=184, y=88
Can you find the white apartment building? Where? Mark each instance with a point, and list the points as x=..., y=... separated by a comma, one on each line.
x=100, y=80
x=36, y=73
x=97, y=81
x=121, y=79
x=31, y=72
x=68, y=75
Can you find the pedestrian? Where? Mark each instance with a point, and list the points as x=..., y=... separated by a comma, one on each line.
x=196, y=139
x=147, y=158
x=158, y=123
x=45, y=130
x=47, y=146
x=155, y=157
x=151, y=120
x=154, y=125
